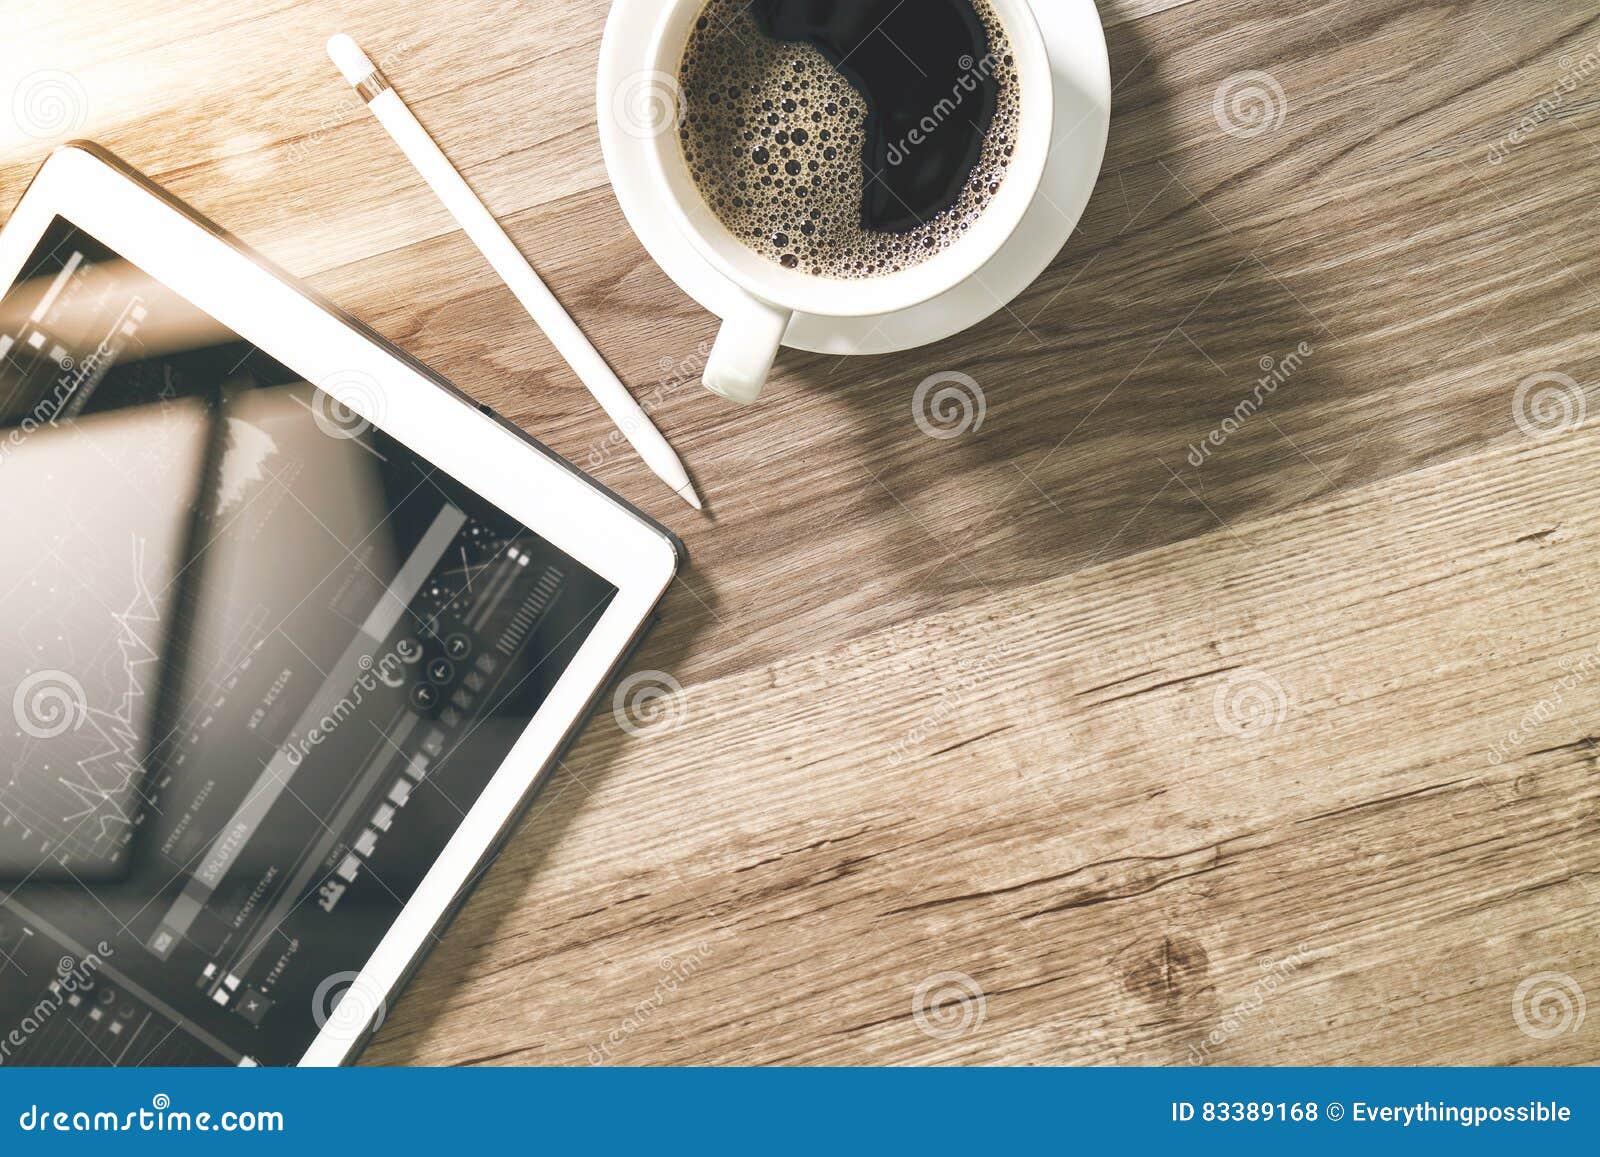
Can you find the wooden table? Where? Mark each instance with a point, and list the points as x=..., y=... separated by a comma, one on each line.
x=1043, y=743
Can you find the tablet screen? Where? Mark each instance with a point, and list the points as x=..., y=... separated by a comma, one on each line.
x=257, y=661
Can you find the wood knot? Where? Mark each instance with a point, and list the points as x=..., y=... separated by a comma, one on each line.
x=1175, y=971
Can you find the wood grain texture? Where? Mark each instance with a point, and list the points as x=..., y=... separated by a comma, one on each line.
x=1041, y=744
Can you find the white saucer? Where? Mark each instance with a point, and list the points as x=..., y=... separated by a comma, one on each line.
x=1082, y=74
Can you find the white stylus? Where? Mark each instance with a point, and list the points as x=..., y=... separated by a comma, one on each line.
x=491, y=240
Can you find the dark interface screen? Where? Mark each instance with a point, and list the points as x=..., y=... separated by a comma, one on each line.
x=257, y=661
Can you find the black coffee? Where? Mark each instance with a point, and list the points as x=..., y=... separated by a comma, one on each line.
x=848, y=138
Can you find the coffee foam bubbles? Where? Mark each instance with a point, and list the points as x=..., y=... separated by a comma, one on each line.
x=772, y=135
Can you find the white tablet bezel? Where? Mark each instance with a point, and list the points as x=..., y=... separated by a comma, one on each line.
x=220, y=277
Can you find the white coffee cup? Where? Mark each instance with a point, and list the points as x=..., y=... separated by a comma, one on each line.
x=742, y=354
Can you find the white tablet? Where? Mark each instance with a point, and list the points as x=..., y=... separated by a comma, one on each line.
x=289, y=632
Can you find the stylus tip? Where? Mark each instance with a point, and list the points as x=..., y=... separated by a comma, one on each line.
x=347, y=55
x=686, y=492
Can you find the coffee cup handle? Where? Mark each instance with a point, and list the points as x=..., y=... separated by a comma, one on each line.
x=741, y=357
